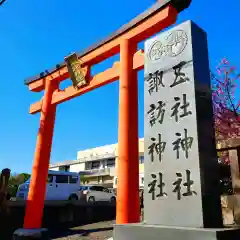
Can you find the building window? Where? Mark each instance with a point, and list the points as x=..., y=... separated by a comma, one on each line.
x=88, y=165
x=95, y=165
x=142, y=180
x=103, y=163
x=64, y=168
x=61, y=179
x=111, y=162
x=141, y=159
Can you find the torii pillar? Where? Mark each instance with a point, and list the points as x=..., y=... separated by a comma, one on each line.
x=128, y=163
x=37, y=188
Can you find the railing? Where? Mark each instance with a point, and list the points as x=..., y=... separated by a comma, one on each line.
x=96, y=157
x=98, y=172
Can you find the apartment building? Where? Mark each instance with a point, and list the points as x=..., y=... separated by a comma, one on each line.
x=99, y=165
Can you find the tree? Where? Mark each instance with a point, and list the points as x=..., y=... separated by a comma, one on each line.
x=226, y=102
x=16, y=180
x=83, y=179
x=4, y=178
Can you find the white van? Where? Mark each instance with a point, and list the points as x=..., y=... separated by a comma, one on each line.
x=60, y=186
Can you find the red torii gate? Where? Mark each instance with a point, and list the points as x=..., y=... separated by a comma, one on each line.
x=125, y=40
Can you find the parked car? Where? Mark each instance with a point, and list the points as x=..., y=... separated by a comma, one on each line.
x=60, y=186
x=94, y=193
x=113, y=190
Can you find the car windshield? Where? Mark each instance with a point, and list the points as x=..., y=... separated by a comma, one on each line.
x=83, y=188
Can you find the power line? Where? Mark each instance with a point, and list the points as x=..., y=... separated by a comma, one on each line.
x=2, y=1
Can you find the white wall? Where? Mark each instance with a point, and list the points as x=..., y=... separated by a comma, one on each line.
x=113, y=171
x=54, y=168
x=77, y=167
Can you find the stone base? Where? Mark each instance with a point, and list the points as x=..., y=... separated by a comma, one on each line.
x=22, y=234
x=154, y=232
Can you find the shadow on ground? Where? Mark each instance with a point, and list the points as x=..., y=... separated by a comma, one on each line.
x=82, y=232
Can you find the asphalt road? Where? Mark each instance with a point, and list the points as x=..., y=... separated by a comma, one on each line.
x=95, y=231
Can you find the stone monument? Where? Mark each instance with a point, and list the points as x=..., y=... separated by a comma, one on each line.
x=181, y=191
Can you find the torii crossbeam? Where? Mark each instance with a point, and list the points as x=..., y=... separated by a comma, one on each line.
x=125, y=40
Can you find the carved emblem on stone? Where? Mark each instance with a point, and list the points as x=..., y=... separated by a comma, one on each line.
x=171, y=46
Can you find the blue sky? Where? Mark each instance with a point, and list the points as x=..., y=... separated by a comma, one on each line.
x=36, y=35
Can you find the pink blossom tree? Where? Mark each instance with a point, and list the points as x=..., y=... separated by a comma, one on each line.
x=226, y=100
